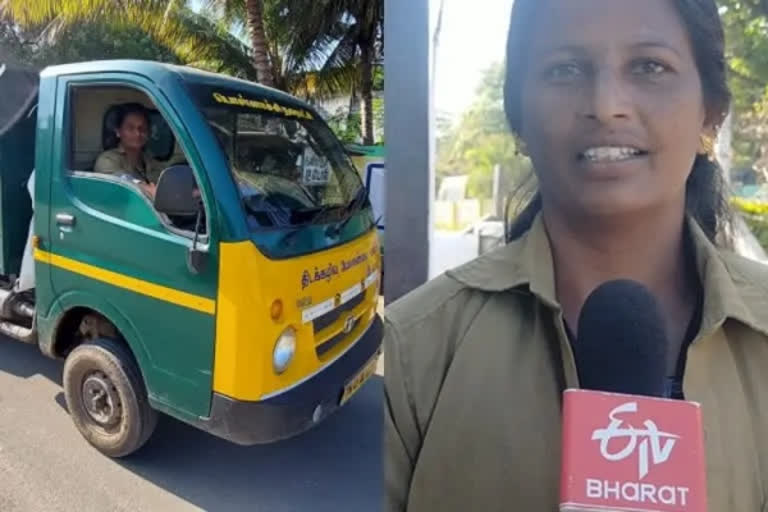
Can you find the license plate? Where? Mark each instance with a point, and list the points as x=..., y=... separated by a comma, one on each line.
x=316, y=176
x=354, y=385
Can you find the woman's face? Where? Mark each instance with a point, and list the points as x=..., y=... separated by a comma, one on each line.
x=133, y=132
x=612, y=105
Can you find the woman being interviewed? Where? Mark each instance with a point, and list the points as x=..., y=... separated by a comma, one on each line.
x=614, y=101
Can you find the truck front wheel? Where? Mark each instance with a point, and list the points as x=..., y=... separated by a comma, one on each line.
x=106, y=397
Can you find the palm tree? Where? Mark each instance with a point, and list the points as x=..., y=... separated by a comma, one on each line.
x=193, y=38
x=206, y=39
x=334, y=36
x=266, y=33
x=252, y=11
x=255, y=10
x=275, y=67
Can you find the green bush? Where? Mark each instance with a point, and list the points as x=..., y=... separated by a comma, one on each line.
x=759, y=226
x=755, y=213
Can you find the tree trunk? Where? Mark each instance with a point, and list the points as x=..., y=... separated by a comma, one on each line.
x=259, y=47
x=366, y=92
x=354, y=109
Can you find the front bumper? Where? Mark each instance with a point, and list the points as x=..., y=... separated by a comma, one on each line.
x=296, y=410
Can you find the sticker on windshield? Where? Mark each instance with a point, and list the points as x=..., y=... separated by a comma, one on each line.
x=264, y=105
x=316, y=171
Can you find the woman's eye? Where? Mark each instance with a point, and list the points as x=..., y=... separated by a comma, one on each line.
x=563, y=72
x=649, y=67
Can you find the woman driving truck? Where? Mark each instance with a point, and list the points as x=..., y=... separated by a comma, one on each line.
x=130, y=156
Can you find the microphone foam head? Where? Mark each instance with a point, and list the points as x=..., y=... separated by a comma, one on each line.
x=621, y=343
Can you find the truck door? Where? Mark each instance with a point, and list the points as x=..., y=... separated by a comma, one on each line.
x=111, y=251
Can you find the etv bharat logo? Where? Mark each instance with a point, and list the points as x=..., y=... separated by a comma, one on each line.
x=647, y=442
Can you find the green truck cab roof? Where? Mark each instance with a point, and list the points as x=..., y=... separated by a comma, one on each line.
x=159, y=71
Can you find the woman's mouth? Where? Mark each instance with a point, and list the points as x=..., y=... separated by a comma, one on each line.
x=607, y=154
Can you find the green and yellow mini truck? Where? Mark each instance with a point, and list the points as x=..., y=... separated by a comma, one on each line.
x=239, y=295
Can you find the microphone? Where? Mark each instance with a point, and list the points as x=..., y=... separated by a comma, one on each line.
x=625, y=447
x=622, y=341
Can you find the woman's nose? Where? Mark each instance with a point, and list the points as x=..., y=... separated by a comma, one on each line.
x=610, y=98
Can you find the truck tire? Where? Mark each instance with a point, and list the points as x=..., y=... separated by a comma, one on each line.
x=106, y=397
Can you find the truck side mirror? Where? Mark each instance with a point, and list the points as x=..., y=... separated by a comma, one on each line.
x=175, y=192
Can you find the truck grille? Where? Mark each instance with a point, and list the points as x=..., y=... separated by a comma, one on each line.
x=328, y=345
x=325, y=321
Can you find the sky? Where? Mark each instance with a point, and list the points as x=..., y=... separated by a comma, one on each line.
x=472, y=39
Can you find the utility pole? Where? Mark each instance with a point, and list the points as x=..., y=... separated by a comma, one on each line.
x=410, y=146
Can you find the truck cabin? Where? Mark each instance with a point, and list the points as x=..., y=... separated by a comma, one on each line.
x=90, y=131
x=96, y=114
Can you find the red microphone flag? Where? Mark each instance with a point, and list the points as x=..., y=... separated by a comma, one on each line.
x=627, y=453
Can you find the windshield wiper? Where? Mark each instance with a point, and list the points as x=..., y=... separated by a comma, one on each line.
x=321, y=210
x=271, y=212
x=298, y=229
x=356, y=204
x=292, y=233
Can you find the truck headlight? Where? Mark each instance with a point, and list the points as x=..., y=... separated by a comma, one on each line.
x=285, y=348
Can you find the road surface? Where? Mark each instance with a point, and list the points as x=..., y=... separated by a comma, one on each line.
x=46, y=466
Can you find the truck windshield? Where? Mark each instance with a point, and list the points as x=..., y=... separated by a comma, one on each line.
x=290, y=168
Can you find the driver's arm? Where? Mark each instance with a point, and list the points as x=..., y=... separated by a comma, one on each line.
x=149, y=189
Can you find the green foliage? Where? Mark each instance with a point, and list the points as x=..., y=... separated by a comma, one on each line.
x=315, y=50
x=746, y=26
x=328, y=33
x=480, y=140
x=759, y=227
x=314, y=54
x=340, y=42
x=148, y=29
x=91, y=41
x=755, y=214
x=346, y=123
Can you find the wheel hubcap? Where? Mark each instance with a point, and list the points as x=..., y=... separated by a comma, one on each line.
x=101, y=400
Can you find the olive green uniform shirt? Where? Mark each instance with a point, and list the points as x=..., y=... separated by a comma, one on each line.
x=477, y=359
x=114, y=161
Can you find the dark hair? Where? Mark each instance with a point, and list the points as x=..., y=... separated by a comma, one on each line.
x=128, y=109
x=706, y=198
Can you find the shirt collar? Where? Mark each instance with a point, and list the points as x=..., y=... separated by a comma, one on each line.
x=734, y=288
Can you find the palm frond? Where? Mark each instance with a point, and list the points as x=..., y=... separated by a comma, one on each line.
x=319, y=86
x=195, y=39
x=35, y=12
x=230, y=11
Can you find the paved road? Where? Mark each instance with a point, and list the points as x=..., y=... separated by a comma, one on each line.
x=46, y=466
